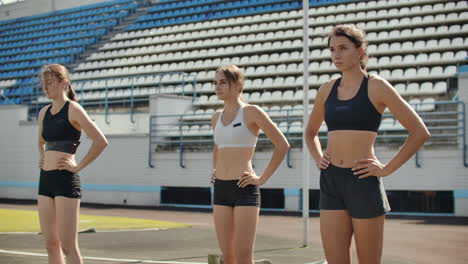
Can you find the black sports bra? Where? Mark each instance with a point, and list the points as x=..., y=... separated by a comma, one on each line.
x=58, y=132
x=357, y=113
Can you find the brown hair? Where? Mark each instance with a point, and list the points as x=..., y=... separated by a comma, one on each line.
x=60, y=72
x=233, y=74
x=355, y=35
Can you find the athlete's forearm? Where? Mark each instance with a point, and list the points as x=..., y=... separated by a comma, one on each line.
x=215, y=151
x=95, y=150
x=314, y=146
x=412, y=144
x=41, y=148
x=276, y=159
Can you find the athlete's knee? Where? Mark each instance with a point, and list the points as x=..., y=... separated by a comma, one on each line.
x=69, y=249
x=52, y=245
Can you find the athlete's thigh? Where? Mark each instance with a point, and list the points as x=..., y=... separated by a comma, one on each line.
x=68, y=210
x=47, y=218
x=368, y=234
x=245, y=227
x=224, y=226
x=336, y=230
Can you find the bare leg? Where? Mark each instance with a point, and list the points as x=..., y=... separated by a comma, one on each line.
x=245, y=226
x=68, y=210
x=337, y=230
x=47, y=219
x=368, y=234
x=224, y=225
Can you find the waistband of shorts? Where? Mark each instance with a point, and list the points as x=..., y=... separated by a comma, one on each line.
x=226, y=181
x=332, y=167
x=56, y=172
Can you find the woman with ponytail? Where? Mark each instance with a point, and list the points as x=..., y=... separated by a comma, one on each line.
x=59, y=194
x=352, y=197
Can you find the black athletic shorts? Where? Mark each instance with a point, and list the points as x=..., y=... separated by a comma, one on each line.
x=59, y=183
x=362, y=198
x=226, y=192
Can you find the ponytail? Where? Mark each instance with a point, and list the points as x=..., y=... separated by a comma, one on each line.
x=71, y=94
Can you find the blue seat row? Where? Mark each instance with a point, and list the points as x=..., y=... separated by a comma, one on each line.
x=321, y=2
x=53, y=39
x=215, y=15
x=173, y=4
x=10, y=101
x=19, y=91
x=61, y=18
x=58, y=31
x=182, y=4
x=48, y=46
x=36, y=64
x=214, y=9
x=38, y=55
x=27, y=81
x=69, y=11
x=63, y=24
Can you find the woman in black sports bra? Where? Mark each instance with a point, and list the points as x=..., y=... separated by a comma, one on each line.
x=60, y=125
x=352, y=197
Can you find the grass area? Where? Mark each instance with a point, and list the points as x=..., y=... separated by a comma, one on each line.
x=28, y=221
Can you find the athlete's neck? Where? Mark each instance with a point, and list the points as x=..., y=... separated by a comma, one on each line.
x=353, y=77
x=59, y=102
x=232, y=106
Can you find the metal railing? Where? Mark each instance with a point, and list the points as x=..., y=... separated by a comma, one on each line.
x=446, y=124
x=182, y=79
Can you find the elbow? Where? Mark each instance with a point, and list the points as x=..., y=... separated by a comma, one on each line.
x=282, y=146
x=426, y=135
x=102, y=144
x=310, y=134
x=285, y=147
x=422, y=135
x=105, y=143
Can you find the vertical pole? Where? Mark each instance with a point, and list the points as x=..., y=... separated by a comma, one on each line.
x=305, y=151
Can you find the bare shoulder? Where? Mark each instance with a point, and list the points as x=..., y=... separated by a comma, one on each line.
x=76, y=106
x=253, y=110
x=325, y=89
x=252, y=107
x=77, y=109
x=328, y=84
x=379, y=85
x=77, y=112
x=42, y=111
x=215, y=116
x=375, y=81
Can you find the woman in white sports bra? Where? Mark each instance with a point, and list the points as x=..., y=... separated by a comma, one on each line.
x=236, y=185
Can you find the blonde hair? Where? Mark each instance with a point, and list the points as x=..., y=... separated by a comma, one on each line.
x=60, y=72
x=234, y=75
x=356, y=35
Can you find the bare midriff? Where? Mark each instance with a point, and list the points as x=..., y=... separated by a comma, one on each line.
x=347, y=146
x=232, y=162
x=52, y=157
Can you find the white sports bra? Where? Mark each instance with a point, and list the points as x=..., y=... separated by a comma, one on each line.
x=234, y=135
